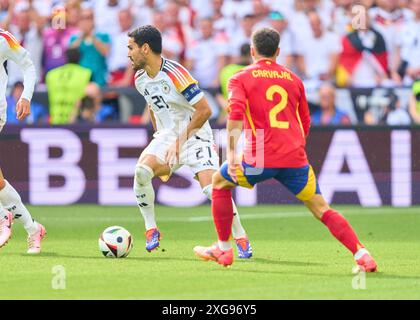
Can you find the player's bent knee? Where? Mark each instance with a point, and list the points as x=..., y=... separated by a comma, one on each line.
x=143, y=175
x=219, y=182
x=317, y=205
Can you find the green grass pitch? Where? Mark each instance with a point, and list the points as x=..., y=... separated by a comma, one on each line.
x=295, y=257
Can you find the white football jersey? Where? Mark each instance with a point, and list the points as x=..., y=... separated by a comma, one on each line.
x=11, y=49
x=171, y=96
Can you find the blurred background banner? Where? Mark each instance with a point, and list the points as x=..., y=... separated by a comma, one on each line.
x=370, y=166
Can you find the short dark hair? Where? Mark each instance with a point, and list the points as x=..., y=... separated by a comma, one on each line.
x=266, y=41
x=245, y=50
x=150, y=35
x=87, y=103
x=73, y=55
x=18, y=84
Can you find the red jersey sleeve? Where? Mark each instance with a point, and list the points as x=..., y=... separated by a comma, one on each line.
x=237, y=99
x=303, y=110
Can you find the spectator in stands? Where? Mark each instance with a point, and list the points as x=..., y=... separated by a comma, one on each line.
x=222, y=23
x=73, y=10
x=387, y=109
x=278, y=22
x=408, y=51
x=172, y=46
x=319, y=52
x=226, y=73
x=143, y=12
x=237, y=9
x=121, y=72
x=207, y=56
x=329, y=114
x=106, y=15
x=187, y=14
x=414, y=106
x=103, y=111
x=366, y=3
x=66, y=85
x=395, y=114
x=388, y=18
x=363, y=61
x=56, y=39
x=10, y=8
x=39, y=113
x=341, y=22
x=260, y=11
x=299, y=21
x=86, y=111
x=6, y=12
x=94, y=47
x=177, y=27
x=242, y=35
x=27, y=26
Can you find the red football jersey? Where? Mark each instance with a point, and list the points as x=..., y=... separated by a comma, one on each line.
x=271, y=101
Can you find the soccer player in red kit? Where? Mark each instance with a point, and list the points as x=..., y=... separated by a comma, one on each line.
x=269, y=102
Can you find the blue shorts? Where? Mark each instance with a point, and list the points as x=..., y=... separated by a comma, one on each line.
x=300, y=181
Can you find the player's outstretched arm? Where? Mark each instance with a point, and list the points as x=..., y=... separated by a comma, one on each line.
x=234, y=132
x=21, y=57
x=29, y=80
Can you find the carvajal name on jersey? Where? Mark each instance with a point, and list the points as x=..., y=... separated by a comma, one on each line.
x=271, y=74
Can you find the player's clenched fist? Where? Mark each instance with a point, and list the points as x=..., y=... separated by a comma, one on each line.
x=23, y=109
x=234, y=163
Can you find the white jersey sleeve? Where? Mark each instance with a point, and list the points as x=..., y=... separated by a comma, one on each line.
x=12, y=50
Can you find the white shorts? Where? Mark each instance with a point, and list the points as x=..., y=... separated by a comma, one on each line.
x=197, y=154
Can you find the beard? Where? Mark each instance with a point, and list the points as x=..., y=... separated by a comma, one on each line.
x=139, y=64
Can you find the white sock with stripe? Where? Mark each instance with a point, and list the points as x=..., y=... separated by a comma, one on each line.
x=145, y=195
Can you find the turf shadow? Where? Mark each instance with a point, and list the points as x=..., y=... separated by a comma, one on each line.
x=99, y=257
x=287, y=263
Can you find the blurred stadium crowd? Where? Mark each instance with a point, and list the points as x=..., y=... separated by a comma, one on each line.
x=80, y=51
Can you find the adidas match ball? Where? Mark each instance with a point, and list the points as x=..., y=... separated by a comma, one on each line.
x=115, y=242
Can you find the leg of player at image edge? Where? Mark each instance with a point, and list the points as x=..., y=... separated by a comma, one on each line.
x=238, y=231
x=222, y=252
x=11, y=207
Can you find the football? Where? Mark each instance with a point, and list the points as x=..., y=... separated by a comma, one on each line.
x=115, y=242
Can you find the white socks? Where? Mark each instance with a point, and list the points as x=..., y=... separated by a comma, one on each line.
x=2, y=212
x=238, y=230
x=360, y=253
x=224, y=245
x=11, y=200
x=145, y=195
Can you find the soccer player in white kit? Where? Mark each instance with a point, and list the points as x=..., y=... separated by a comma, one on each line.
x=11, y=206
x=183, y=136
